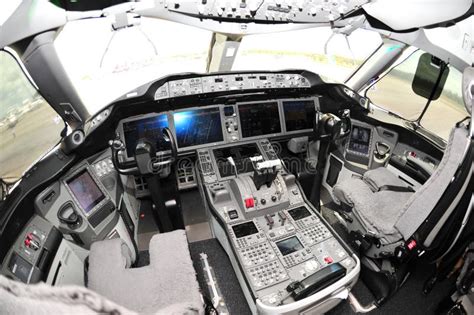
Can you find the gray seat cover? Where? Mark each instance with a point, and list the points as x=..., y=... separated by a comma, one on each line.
x=381, y=176
x=396, y=215
x=420, y=205
x=377, y=212
x=169, y=279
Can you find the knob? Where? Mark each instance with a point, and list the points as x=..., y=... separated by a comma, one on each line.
x=263, y=201
x=274, y=198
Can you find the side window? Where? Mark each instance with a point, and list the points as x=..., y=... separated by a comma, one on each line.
x=29, y=127
x=394, y=92
x=448, y=109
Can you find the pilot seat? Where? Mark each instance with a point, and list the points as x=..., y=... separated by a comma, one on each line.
x=384, y=212
x=168, y=280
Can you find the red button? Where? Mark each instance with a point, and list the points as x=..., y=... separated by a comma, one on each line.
x=328, y=260
x=411, y=245
x=27, y=242
x=249, y=203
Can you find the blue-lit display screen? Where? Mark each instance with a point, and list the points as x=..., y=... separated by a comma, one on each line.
x=259, y=119
x=149, y=128
x=198, y=126
x=299, y=115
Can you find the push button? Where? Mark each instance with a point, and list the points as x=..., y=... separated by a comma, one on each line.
x=328, y=260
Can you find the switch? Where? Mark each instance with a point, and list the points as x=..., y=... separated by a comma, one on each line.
x=282, y=218
x=249, y=203
x=31, y=243
x=270, y=221
x=233, y=214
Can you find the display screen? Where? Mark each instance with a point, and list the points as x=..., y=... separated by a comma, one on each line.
x=244, y=229
x=20, y=267
x=259, y=119
x=240, y=155
x=198, y=126
x=299, y=213
x=360, y=140
x=86, y=191
x=149, y=128
x=299, y=115
x=290, y=245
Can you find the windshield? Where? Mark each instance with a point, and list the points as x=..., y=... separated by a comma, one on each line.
x=29, y=127
x=104, y=64
x=333, y=56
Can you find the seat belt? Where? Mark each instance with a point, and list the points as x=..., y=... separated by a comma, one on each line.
x=396, y=188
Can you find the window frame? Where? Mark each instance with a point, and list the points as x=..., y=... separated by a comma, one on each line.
x=64, y=131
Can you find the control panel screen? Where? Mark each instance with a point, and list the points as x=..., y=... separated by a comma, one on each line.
x=240, y=155
x=299, y=213
x=86, y=191
x=20, y=267
x=290, y=245
x=198, y=126
x=360, y=140
x=149, y=128
x=245, y=229
x=299, y=115
x=259, y=119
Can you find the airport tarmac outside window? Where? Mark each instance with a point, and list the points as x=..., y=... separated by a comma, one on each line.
x=394, y=92
x=29, y=127
x=333, y=56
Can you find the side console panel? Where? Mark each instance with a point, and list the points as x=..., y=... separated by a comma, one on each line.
x=30, y=258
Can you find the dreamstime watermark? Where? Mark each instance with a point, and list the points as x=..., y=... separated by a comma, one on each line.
x=161, y=164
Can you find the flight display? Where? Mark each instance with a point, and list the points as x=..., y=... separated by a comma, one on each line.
x=259, y=119
x=360, y=140
x=290, y=245
x=198, y=126
x=86, y=191
x=150, y=128
x=299, y=115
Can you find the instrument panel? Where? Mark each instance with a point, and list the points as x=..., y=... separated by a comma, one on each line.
x=198, y=127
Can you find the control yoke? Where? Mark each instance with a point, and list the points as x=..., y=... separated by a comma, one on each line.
x=146, y=161
x=332, y=127
x=264, y=172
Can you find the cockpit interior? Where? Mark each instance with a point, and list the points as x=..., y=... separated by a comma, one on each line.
x=253, y=191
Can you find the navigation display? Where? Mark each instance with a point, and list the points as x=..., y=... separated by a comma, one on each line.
x=259, y=119
x=299, y=115
x=149, y=128
x=245, y=229
x=240, y=155
x=290, y=245
x=198, y=126
x=86, y=191
x=360, y=140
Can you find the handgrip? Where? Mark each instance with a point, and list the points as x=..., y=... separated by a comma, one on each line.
x=317, y=281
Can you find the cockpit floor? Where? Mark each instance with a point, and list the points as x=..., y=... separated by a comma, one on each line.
x=225, y=276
